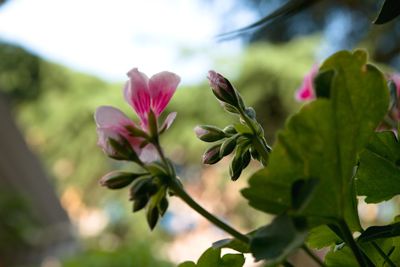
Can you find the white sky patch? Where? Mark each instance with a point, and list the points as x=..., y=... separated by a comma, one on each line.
x=108, y=38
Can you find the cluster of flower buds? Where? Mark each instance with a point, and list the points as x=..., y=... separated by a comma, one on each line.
x=148, y=189
x=123, y=139
x=245, y=139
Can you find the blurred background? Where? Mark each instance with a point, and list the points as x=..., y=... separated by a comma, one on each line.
x=59, y=60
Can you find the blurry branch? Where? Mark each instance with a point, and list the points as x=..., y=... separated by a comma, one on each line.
x=389, y=11
x=288, y=9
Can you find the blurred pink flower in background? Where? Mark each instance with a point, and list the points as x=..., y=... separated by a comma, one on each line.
x=306, y=91
x=143, y=95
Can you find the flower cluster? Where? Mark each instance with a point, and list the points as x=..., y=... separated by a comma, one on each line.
x=245, y=139
x=148, y=98
x=123, y=139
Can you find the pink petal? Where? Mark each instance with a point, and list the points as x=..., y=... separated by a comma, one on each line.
x=149, y=154
x=106, y=116
x=162, y=86
x=137, y=93
x=111, y=123
x=104, y=134
x=168, y=121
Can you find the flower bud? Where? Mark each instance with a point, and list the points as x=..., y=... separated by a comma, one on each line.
x=227, y=146
x=239, y=162
x=117, y=179
x=208, y=133
x=236, y=167
x=229, y=130
x=222, y=88
x=162, y=206
x=211, y=156
x=152, y=216
x=250, y=112
x=143, y=187
x=140, y=202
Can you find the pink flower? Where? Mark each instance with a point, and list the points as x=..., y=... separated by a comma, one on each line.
x=113, y=123
x=143, y=95
x=306, y=91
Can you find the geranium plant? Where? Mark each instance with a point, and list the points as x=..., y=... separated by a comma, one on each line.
x=342, y=144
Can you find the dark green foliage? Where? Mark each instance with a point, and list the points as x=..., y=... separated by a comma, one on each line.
x=212, y=258
x=276, y=241
x=311, y=166
x=378, y=175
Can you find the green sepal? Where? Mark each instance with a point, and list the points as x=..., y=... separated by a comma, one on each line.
x=209, y=133
x=228, y=146
x=152, y=216
x=123, y=150
x=162, y=206
x=140, y=202
x=153, y=124
x=229, y=130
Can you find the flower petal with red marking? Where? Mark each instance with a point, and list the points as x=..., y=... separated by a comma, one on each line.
x=162, y=86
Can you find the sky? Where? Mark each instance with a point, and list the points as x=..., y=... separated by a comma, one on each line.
x=108, y=38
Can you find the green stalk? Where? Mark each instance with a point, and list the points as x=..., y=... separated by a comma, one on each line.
x=259, y=144
x=181, y=193
x=349, y=240
x=383, y=254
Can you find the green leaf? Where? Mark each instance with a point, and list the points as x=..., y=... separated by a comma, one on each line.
x=276, y=241
x=340, y=258
x=211, y=258
x=321, y=237
x=322, y=83
x=378, y=176
x=322, y=142
x=187, y=264
x=343, y=256
x=389, y=11
x=232, y=243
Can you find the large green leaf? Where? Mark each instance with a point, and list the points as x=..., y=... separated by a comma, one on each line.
x=276, y=241
x=323, y=141
x=378, y=176
x=321, y=237
x=212, y=258
x=342, y=257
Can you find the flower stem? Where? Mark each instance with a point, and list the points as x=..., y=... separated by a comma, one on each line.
x=349, y=240
x=180, y=192
x=313, y=256
x=383, y=254
x=259, y=144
